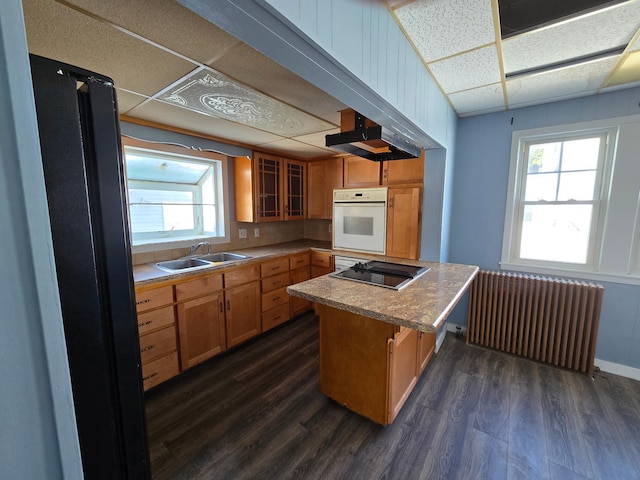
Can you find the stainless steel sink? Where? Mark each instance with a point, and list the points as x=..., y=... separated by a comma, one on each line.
x=197, y=262
x=222, y=257
x=182, y=264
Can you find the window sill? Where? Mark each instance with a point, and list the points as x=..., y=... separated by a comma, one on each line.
x=630, y=279
x=154, y=245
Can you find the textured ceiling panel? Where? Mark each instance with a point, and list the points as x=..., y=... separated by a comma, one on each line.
x=63, y=34
x=560, y=84
x=157, y=111
x=265, y=75
x=317, y=138
x=128, y=100
x=482, y=99
x=441, y=28
x=298, y=149
x=469, y=70
x=573, y=38
x=165, y=22
x=213, y=93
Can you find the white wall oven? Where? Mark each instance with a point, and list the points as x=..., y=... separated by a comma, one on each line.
x=360, y=220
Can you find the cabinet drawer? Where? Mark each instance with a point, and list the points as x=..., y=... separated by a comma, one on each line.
x=157, y=371
x=319, y=271
x=274, y=266
x=241, y=275
x=275, y=316
x=155, y=319
x=297, y=261
x=321, y=259
x=199, y=286
x=275, y=298
x=276, y=281
x=156, y=297
x=157, y=344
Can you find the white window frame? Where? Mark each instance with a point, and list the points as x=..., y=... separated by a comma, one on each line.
x=614, y=254
x=149, y=242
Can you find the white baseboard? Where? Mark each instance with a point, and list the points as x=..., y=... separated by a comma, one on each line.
x=618, y=369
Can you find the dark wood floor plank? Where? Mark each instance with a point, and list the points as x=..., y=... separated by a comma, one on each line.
x=527, y=445
x=256, y=412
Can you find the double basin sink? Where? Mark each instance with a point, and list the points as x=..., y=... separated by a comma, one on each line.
x=200, y=261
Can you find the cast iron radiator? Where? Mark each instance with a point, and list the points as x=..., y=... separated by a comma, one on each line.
x=546, y=319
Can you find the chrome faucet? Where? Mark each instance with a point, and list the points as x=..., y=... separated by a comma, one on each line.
x=194, y=248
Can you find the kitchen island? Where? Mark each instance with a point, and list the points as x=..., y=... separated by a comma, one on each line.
x=375, y=342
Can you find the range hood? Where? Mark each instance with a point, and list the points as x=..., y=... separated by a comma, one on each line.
x=361, y=137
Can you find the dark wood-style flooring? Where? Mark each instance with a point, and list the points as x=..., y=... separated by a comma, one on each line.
x=256, y=412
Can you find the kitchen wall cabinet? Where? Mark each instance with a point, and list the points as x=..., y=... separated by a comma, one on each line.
x=156, y=327
x=242, y=302
x=201, y=319
x=299, y=266
x=360, y=172
x=321, y=263
x=324, y=176
x=403, y=222
x=269, y=188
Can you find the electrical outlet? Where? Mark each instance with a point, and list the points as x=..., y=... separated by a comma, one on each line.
x=256, y=232
x=242, y=233
x=330, y=227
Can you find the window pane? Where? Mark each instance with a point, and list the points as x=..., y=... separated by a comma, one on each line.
x=581, y=154
x=209, y=218
x=145, y=167
x=541, y=186
x=556, y=233
x=544, y=157
x=577, y=185
x=160, y=210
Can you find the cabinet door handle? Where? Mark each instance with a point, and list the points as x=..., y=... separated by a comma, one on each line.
x=148, y=377
x=145, y=323
x=228, y=304
x=391, y=203
x=221, y=307
x=276, y=299
x=146, y=349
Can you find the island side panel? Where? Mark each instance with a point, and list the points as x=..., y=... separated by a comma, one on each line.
x=354, y=361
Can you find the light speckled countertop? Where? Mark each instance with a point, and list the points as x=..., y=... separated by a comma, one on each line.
x=423, y=305
x=145, y=275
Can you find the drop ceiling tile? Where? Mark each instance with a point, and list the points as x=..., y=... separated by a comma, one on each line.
x=167, y=23
x=164, y=113
x=489, y=97
x=253, y=68
x=298, y=149
x=317, y=139
x=628, y=72
x=58, y=32
x=469, y=70
x=575, y=81
x=441, y=28
x=128, y=100
x=595, y=32
x=213, y=93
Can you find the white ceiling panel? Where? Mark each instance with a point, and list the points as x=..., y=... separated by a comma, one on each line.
x=298, y=149
x=128, y=100
x=572, y=39
x=469, y=70
x=482, y=99
x=317, y=139
x=441, y=28
x=578, y=80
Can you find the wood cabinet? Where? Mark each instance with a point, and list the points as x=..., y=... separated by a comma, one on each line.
x=156, y=327
x=269, y=188
x=242, y=302
x=403, y=222
x=324, y=176
x=275, y=299
x=367, y=365
x=299, y=266
x=360, y=172
x=426, y=349
x=201, y=319
x=321, y=263
x=403, y=172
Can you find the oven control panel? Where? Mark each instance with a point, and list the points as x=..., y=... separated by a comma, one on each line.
x=376, y=194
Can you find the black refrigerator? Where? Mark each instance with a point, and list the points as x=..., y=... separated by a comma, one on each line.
x=86, y=191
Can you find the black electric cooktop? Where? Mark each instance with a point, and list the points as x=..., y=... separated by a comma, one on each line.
x=382, y=274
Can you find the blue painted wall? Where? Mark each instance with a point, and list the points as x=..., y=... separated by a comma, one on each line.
x=479, y=193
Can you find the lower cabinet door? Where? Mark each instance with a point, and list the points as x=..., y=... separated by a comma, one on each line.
x=201, y=328
x=426, y=348
x=242, y=313
x=403, y=365
x=299, y=305
x=275, y=316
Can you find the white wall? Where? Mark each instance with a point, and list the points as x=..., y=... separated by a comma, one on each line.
x=38, y=437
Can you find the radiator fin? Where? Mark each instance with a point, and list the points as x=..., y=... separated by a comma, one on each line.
x=550, y=320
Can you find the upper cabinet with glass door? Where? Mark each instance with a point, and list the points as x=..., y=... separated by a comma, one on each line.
x=269, y=188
